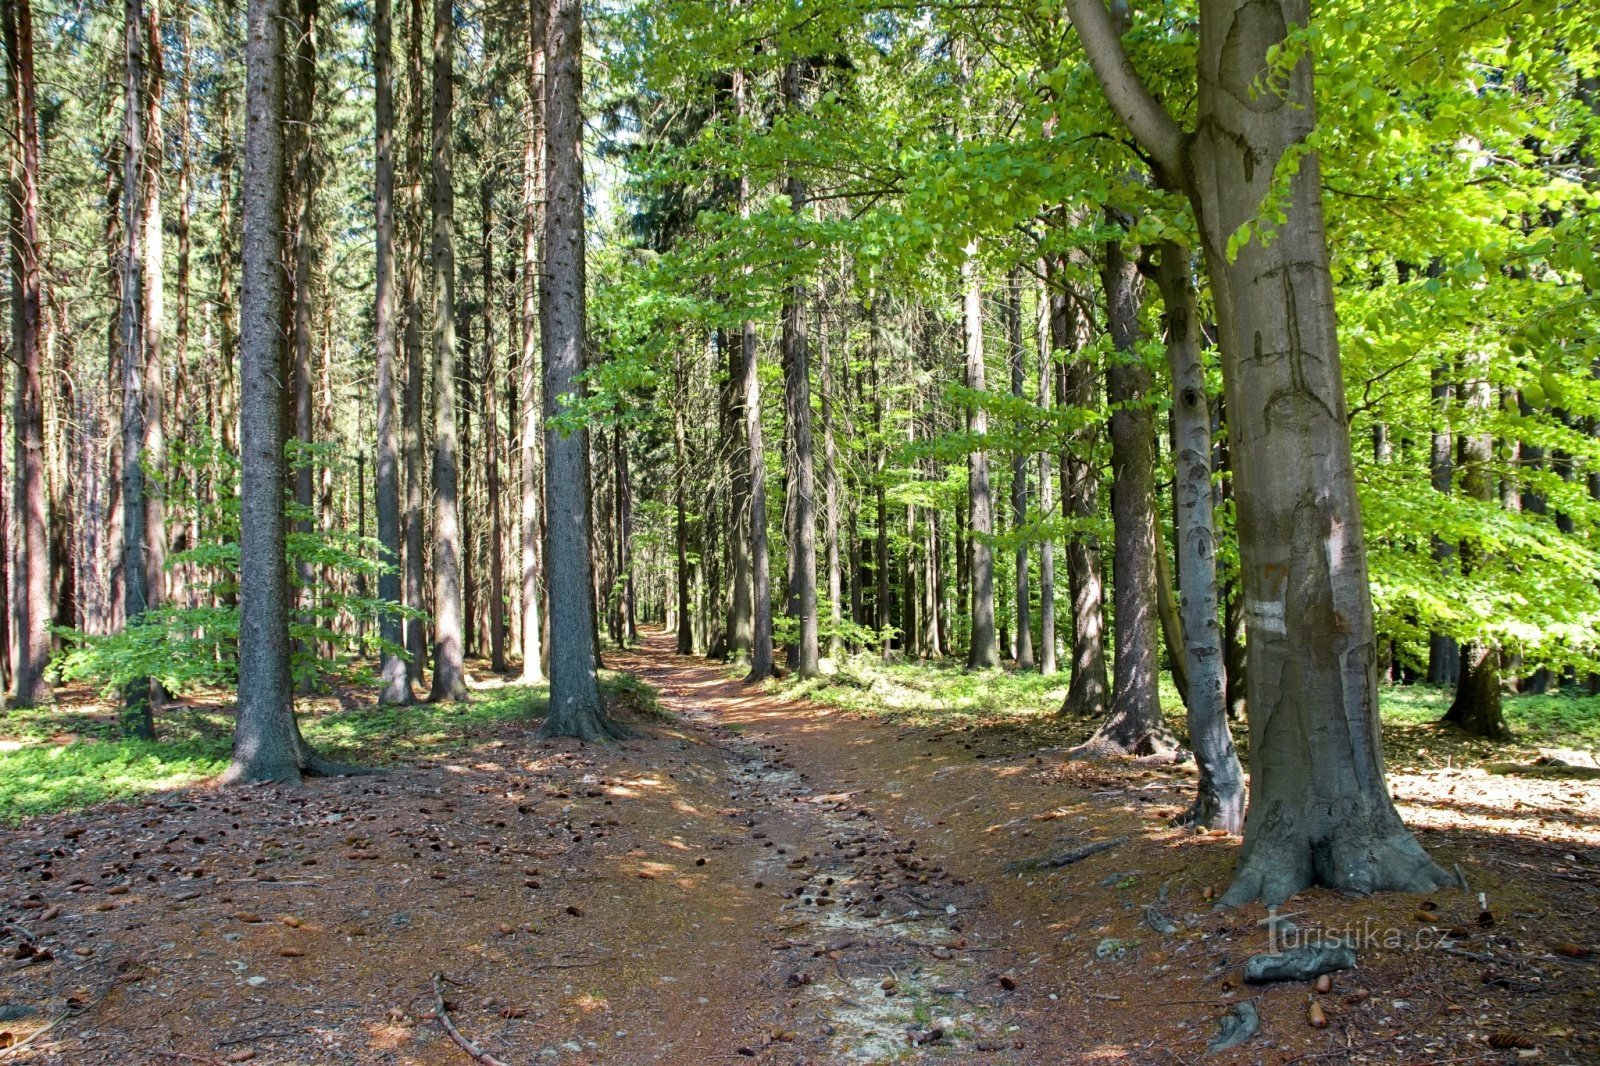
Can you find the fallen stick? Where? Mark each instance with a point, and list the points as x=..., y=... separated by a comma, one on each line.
x=1066, y=858
x=477, y=1054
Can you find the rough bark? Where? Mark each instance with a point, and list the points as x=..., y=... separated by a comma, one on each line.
x=760, y=572
x=1047, y=546
x=1019, y=474
x=684, y=628
x=1444, y=652
x=411, y=296
x=449, y=668
x=1219, y=801
x=530, y=428
x=740, y=623
x=302, y=193
x=1320, y=811
x=984, y=651
x=575, y=706
x=31, y=604
x=1088, y=689
x=1133, y=724
x=797, y=421
x=136, y=696
x=491, y=441
x=832, y=490
x=153, y=443
x=395, y=682
x=1476, y=708
x=267, y=745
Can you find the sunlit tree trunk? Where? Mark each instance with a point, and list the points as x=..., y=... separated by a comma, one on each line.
x=575, y=707
x=31, y=603
x=449, y=669
x=395, y=681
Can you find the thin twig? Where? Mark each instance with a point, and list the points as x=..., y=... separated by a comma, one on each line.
x=478, y=1054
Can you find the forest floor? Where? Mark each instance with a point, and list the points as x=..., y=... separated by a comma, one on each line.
x=757, y=878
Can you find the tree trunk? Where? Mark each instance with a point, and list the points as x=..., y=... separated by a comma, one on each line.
x=530, y=429
x=395, y=683
x=449, y=668
x=31, y=606
x=153, y=443
x=760, y=575
x=491, y=442
x=1019, y=475
x=575, y=707
x=1134, y=724
x=1219, y=803
x=1320, y=811
x=984, y=650
x=797, y=420
x=737, y=450
x=1477, y=709
x=680, y=504
x=411, y=288
x=303, y=193
x=1047, y=546
x=137, y=713
x=1444, y=653
x=1088, y=690
x=267, y=745
x=831, y=494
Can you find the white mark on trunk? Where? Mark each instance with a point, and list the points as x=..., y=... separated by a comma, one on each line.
x=1265, y=616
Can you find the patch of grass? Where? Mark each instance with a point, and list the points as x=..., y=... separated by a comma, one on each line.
x=945, y=695
x=71, y=755
x=42, y=778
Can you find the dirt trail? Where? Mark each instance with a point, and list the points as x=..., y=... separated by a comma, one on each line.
x=753, y=879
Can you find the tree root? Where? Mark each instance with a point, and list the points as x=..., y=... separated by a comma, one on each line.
x=477, y=1054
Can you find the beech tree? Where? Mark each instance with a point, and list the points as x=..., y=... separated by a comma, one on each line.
x=1318, y=815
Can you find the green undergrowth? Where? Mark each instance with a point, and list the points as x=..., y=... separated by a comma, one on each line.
x=944, y=695
x=70, y=755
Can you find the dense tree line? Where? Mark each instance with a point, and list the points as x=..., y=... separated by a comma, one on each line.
x=1101, y=339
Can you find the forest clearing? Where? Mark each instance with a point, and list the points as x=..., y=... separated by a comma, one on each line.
x=814, y=532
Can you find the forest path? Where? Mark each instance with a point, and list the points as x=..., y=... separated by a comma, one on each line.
x=752, y=878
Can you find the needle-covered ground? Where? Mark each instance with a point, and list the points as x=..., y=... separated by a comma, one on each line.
x=770, y=879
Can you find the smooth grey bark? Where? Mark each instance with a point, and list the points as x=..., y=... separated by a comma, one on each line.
x=1088, y=689
x=394, y=680
x=797, y=420
x=137, y=716
x=530, y=429
x=31, y=602
x=1047, y=505
x=984, y=651
x=575, y=706
x=1019, y=473
x=1220, y=797
x=760, y=567
x=1477, y=708
x=1320, y=811
x=411, y=295
x=449, y=668
x=1134, y=724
